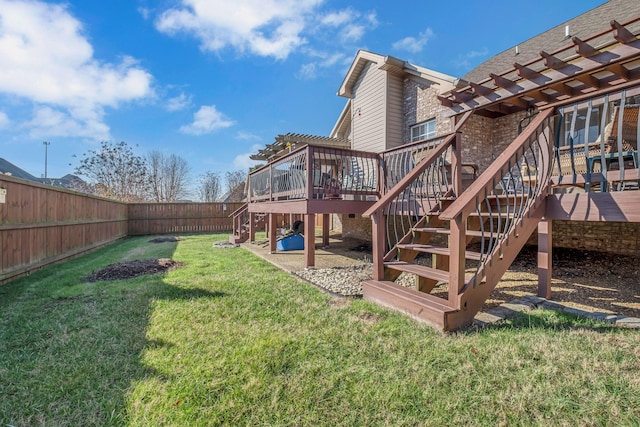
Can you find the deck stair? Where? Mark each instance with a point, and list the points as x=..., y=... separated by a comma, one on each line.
x=242, y=224
x=457, y=244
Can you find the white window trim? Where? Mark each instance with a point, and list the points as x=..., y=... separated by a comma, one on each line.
x=425, y=133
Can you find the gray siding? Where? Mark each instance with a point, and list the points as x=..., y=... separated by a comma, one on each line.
x=368, y=110
x=394, y=111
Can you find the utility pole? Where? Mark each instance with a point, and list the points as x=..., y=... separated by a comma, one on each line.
x=46, y=146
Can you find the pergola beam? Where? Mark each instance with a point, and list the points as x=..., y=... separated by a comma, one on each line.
x=621, y=34
x=502, y=82
x=551, y=61
x=620, y=71
x=526, y=72
x=584, y=49
x=446, y=101
x=479, y=89
x=589, y=80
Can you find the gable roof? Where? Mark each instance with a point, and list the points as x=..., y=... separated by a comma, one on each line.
x=551, y=40
x=390, y=64
x=68, y=181
x=8, y=168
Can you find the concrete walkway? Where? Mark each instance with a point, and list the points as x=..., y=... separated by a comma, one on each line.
x=338, y=254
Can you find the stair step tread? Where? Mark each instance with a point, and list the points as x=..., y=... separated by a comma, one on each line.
x=485, y=233
x=435, y=230
x=474, y=233
x=493, y=214
x=432, y=302
x=420, y=270
x=438, y=250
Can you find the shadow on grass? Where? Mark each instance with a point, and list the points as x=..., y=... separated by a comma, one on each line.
x=70, y=351
x=544, y=320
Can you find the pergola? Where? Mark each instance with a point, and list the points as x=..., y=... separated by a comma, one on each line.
x=581, y=69
x=290, y=141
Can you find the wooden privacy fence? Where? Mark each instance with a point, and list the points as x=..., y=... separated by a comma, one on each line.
x=161, y=218
x=41, y=225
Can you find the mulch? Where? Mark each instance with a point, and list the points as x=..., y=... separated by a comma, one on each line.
x=164, y=239
x=130, y=269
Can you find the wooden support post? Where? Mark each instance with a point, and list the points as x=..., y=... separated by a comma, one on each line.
x=252, y=227
x=310, y=240
x=272, y=232
x=325, y=229
x=457, y=246
x=267, y=221
x=545, y=242
x=378, y=245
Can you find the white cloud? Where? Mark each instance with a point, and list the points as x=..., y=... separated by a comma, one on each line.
x=270, y=28
x=242, y=161
x=247, y=136
x=465, y=61
x=207, y=120
x=179, y=102
x=263, y=27
x=414, y=44
x=49, y=122
x=144, y=12
x=4, y=120
x=307, y=71
x=351, y=24
x=46, y=59
x=335, y=19
x=310, y=70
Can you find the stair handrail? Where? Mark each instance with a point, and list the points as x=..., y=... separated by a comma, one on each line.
x=394, y=192
x=431, y=157
x=237, y=218
x=244, y=207
x=463, y=205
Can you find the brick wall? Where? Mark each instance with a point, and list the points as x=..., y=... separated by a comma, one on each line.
x=356, y=228
x=420, y=103
x=613, y=237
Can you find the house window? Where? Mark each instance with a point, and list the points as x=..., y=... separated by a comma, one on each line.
x=424, y=130
x=580, y=134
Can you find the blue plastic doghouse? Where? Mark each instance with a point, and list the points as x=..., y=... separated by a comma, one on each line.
x=291, y=243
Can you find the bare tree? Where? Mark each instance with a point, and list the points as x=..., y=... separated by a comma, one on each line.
x=113, y=171
x=235, y=185
x=168, y=177
x=209, y=187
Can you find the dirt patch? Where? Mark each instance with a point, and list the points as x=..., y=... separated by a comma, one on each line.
x=370, y=317
x=127, y=270
x=225, y=245
x=165, y=239
x=587, y=280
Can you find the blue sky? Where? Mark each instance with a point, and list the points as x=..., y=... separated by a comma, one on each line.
x=213, y=80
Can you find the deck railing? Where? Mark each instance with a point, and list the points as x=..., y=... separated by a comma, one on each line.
x=315, y=172
x=596, y=142
x=398, y=162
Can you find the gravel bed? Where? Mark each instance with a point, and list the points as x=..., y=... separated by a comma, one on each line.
x=583, y=279
x=347, y=280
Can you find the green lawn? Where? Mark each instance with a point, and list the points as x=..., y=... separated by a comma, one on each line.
x=230, y=340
